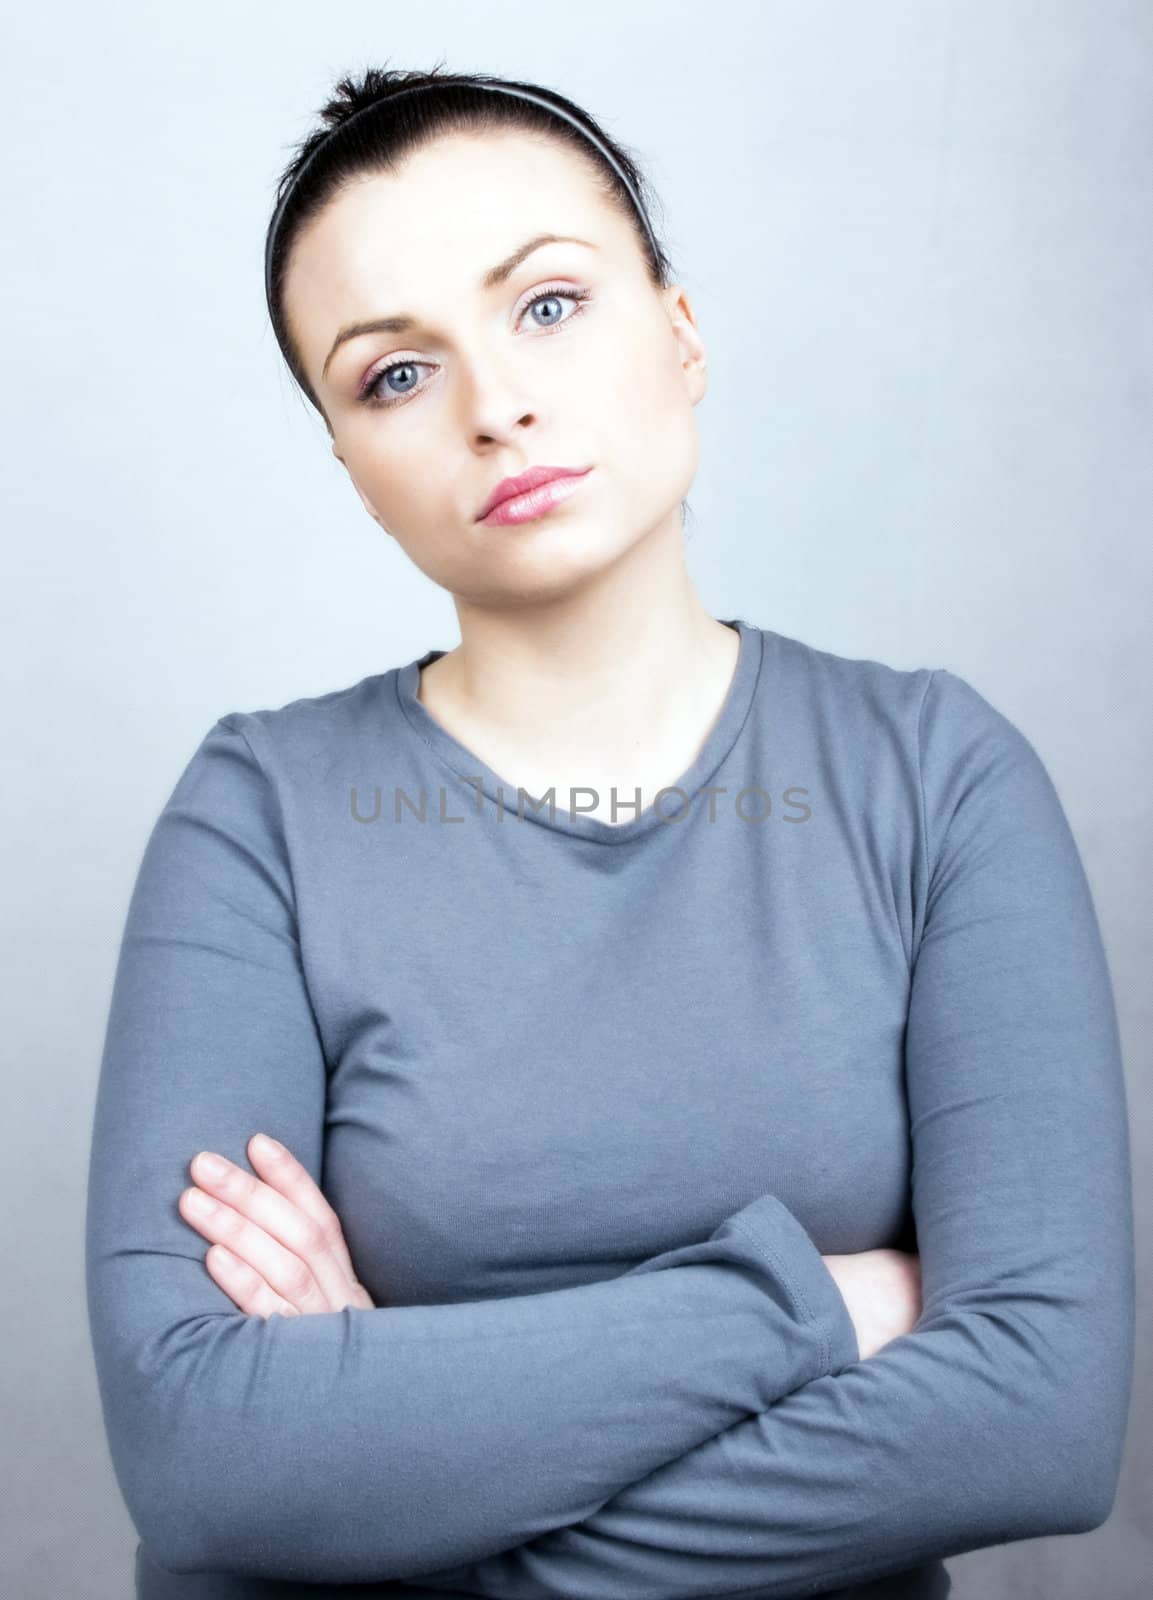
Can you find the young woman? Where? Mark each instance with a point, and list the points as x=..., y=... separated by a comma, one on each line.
x=703, y=1157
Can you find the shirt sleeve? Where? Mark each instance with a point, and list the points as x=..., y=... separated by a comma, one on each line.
x=1002, y=1415
x=363, y=1445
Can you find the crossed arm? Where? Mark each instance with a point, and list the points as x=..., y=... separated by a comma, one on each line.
x=1000, y=1416
x=370, y=1443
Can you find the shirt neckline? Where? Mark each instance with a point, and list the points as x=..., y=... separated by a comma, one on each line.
x=469, y=771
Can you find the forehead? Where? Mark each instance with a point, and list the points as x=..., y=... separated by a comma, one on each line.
x=423, y=236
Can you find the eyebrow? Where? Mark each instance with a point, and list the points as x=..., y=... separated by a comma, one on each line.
x=492, y=279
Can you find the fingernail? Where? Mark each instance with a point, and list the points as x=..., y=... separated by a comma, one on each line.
x=211, y=1165
x=266, y=1146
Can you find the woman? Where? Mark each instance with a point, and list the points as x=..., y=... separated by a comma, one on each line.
x=704, y=1165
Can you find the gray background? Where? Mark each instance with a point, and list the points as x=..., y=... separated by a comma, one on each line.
x=917, y=236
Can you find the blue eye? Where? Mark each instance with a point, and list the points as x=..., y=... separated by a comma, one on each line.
x=374, y=392
x=553, y=294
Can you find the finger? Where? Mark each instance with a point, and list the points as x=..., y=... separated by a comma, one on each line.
x=244, y=1285
x=288, y=1274
x=286, y=1174
x=283, y=1216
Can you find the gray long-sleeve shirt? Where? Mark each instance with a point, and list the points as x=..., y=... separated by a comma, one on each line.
x=591, y=1101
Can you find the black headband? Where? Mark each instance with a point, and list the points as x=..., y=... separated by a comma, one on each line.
x=519, y=94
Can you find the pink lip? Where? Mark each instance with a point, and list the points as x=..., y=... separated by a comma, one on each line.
x=524, y=483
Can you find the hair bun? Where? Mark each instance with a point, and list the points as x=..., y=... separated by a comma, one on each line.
x=375, y=84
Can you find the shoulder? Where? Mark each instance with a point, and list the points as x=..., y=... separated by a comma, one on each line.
x=252, y=761
x=310, y=723
x=923, y=735
x=936, y=705
x=848, y=700
x=300, y=743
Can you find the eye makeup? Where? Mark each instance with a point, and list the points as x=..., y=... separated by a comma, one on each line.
x=371, y=389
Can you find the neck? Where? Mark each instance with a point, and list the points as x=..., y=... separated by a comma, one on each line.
x=598, y=675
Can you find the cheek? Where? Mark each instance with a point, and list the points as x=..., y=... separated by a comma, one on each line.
x=647, y=394
x=647, y=419
x=399, y=474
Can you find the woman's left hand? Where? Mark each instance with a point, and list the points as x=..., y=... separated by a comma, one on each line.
x=278, y=1245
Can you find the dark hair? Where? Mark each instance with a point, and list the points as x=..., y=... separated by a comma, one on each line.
x=449, y=103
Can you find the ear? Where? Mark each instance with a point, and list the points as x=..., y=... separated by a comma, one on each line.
x=363, y=497
x=694, y=358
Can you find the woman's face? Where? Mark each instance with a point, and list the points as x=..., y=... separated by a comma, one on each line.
x=487, y=384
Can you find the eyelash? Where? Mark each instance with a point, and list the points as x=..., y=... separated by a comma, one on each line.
x=370, y=394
